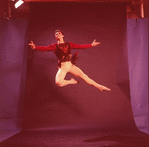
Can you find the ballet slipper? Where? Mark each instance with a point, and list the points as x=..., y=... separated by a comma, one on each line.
x=74, y=81
x=103, y=88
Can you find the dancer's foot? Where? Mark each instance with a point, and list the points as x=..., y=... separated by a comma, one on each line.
x=103, y=88
x=73, y=81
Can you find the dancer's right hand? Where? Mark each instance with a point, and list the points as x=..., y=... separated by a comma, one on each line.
x=32, y=45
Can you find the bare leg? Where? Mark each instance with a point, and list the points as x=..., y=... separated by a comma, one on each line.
x=79, y=73
x=59, y=79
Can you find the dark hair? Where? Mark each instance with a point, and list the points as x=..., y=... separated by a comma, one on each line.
x=58, y=30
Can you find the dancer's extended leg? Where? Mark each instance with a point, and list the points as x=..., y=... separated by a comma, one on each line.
x=79, y=73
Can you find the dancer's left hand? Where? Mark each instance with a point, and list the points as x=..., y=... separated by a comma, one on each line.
x=94, y=43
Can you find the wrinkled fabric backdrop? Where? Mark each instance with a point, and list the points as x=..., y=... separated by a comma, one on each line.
x=119, y=61
x=75, y=106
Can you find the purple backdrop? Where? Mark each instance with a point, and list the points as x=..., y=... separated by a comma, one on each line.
x=13, y=62
x=138, y=70
x=48, y=106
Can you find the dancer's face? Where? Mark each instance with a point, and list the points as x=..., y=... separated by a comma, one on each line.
x=59, y=35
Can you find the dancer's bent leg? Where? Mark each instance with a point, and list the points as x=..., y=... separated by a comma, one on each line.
x=60, y=81
x=79, y=73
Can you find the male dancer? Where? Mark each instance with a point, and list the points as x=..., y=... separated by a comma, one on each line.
x=66, y=62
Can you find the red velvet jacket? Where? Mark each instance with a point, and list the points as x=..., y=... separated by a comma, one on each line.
x=63, y=50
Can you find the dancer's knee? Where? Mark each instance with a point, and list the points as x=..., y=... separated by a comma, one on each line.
x=82, y=75
x=59, y=83
x=88, y=80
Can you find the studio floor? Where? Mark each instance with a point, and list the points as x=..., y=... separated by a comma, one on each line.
x=77, y=138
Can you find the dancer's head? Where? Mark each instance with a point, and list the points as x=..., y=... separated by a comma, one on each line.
x=58, y=30
x=59, y=34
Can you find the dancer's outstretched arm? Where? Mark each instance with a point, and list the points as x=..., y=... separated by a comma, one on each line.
x=51, y=47
x=84, y=46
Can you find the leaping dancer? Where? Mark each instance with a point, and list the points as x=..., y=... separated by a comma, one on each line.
x=66, y=62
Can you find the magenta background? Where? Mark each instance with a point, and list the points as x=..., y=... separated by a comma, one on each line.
x=123, y=42
x=76, y=106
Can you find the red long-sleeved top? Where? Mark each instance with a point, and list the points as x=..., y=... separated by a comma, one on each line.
x=63, y=50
